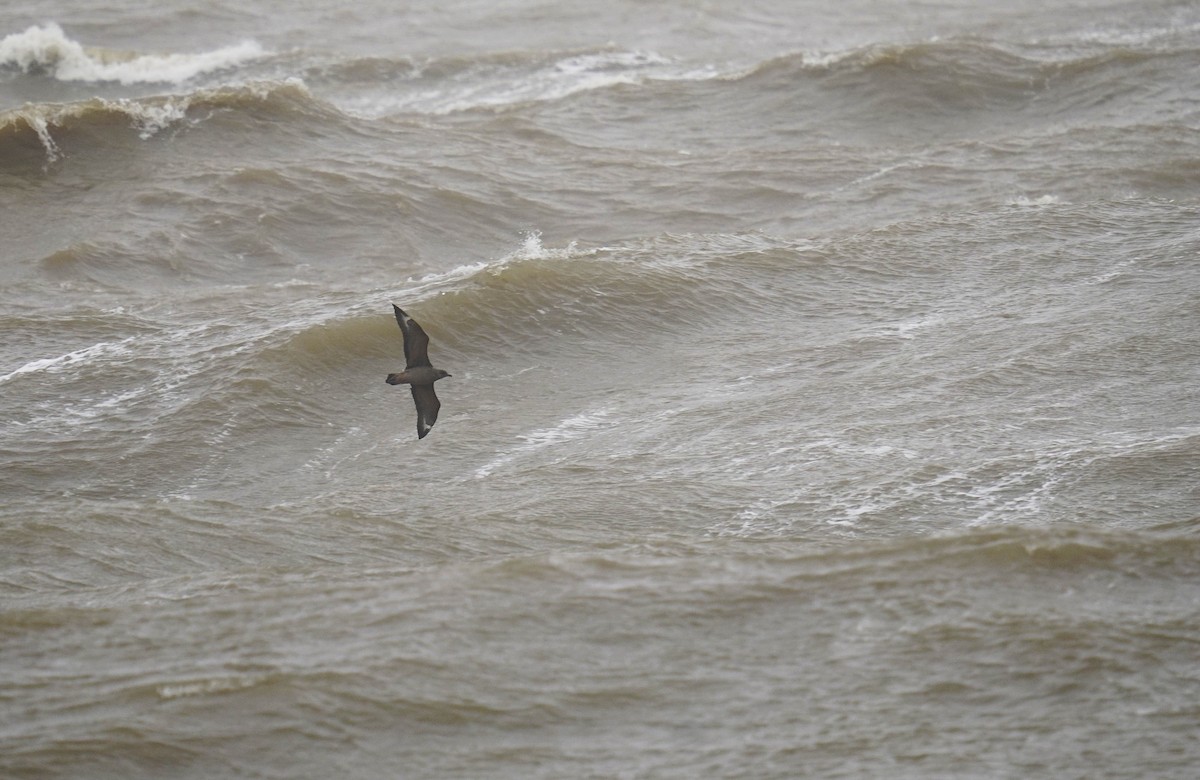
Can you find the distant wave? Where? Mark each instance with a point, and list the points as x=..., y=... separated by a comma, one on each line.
x=953, y=74
x=1000, y=57
x=149, y=116
x=958, y=71
x=49, y=50
x=975, y=72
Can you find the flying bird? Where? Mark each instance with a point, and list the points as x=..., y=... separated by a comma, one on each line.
x=418, y=372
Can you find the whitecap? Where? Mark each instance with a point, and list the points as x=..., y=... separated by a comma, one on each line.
x=49, y=49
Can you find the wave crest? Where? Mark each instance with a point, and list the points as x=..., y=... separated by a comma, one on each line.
x=49, y=50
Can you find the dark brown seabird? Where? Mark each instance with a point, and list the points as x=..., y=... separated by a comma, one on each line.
x=418, y=372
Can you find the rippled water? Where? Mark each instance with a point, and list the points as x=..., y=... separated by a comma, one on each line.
x=823, y=397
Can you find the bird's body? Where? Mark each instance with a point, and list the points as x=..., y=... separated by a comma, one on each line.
x=418, y=372
x=420, y=375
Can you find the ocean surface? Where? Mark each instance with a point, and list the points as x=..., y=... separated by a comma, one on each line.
x=825, y=396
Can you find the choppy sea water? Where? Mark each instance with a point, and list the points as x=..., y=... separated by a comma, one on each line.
x=823, y=401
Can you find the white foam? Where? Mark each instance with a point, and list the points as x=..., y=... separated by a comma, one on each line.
x=826, y=59
x=908, y=329
x=609, y=61
x=203, y=687
x=1026, y=201
x=48, y=48
x=568, y=429
x=41, y=127
x=881, y=172
x=533, y=249
x=63, y=361
x=502, y=85
x=581, y=73
x=151, y=118
x=417, y=288
x=1125, y=36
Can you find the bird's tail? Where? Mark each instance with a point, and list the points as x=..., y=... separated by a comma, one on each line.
x=395, y=379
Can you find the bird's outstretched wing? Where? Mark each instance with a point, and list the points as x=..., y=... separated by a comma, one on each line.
x=416, y=343
x=427, y=408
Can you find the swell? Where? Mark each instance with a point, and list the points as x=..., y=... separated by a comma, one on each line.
x=254, y=370
x=537, y=293
x=218, y=373
x=265, y=353
x=967, y=88
x=672, y=567
x=940, y=76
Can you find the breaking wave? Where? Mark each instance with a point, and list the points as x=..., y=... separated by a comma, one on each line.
x=47, y=49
